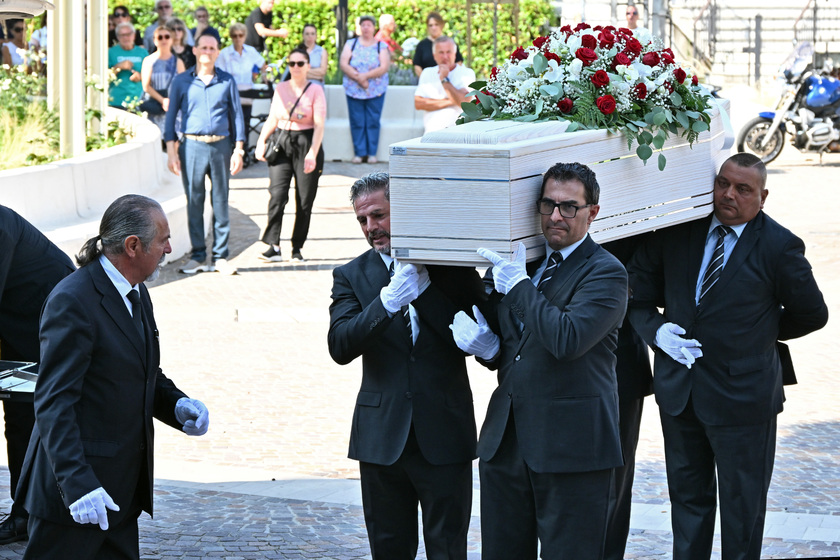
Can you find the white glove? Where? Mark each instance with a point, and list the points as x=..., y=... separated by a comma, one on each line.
x=93, y=508
x=193, y=415
x=407, y=283
x=683, y=350
x=474, y=337
x=506, y=274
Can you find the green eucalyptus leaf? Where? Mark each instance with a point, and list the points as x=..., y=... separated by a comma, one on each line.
x=658, y=141
x=645, y=137
x=676, y=98
x=550, y=90
x=471, y=111
x=644, y=152
x=538, y=107
x=540, y=64
x=527, y=118
x=480, y=84
x=682, y=118
x=661, y=162
x=693, y=114
x=699, y=126
x=572, y=126
x=659, y=118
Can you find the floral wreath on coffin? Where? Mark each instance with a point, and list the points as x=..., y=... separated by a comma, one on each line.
x=597, y=77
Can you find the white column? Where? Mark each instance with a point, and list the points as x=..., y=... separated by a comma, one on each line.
x=97, y=57
x=69, y=60
x=55, y=31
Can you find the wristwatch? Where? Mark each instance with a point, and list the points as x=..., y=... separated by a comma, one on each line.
x=239, y=151
x=445, y=80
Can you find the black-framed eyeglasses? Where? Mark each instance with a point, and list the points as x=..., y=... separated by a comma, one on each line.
x=18, y=29
x=299, y=63
x=546, y=207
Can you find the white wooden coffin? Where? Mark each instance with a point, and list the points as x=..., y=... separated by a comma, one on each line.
x=476, y=185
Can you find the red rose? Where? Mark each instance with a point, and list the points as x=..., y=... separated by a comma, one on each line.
x=494, y=72
x=640, y=91
x=679, y=74
x=554, y=56
x=633, y=47
x=582, y=26
x=587, y=56
x=567, y=29
x=650, y=59
x=518, y=54
x=606, y=39
x=669, y=86
x=606, y=104
x=624, y=32
x=600, y=78
x=694, y=80
x=565, y=105
x=589, y=41
x=667, y=56
x=610, y=28
x=540, y=41
x=621, y=59
x=597, y=28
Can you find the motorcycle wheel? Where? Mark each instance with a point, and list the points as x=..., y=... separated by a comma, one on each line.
x=753, y=133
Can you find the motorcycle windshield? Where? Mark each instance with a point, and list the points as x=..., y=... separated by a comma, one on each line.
x=798, y=60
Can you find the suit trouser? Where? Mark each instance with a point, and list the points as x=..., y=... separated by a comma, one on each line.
x=198, y=160
x=566, y=512
x=391, y=493
x=621, y=497
x=56, y=541
x=20, y=419
x=742, y=457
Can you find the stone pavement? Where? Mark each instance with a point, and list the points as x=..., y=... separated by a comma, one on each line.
x=271, y=479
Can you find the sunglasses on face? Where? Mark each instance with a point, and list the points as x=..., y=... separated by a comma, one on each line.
x=300, y=63
x=632, y=13
x=164, y=8
x=120, y=14
x=237, y=35
x=162, y=37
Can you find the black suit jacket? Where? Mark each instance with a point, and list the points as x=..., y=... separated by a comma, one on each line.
x=558, y=374
x=425, y=384
x=98, y=388
x=30, y=266
x=766, y=293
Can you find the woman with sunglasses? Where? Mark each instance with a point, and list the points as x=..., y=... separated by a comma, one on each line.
x=239, y=60
x=303, y=157
x=122, y=15
x=179, y=41
x=157, y=72
x=15, y=50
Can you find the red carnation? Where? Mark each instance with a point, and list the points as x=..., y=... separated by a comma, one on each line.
x=650, y=59
x=640, y=91
x=606, y=104
x=621, y=59
x=694, y=80
x=589, y=41
x=540, y=41
x=518, y=54
x=565, y=105
x=679, y=74
x=587, y=56
x=600, y=78
x=633, y=47
x=582, y=26
x=555, y=57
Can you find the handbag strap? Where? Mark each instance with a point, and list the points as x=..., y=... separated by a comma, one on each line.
x=292, y=110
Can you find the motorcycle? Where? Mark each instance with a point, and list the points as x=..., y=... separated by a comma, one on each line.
x=808, y=110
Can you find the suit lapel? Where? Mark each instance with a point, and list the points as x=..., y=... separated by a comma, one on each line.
x=114, y=306
x=377, y=276
x=740, y=252
x=696, y=247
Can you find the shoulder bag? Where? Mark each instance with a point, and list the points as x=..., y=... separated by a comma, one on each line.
x=278, y=143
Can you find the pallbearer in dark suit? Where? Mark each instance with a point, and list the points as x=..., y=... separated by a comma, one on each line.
x=88, y=470
x=550, y=438
x=414, y=426
x=732, y=285
x=30, y=267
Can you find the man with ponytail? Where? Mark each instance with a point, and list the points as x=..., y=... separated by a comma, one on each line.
x=88, y=472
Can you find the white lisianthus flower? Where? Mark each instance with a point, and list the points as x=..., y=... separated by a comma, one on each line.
x=554, y=72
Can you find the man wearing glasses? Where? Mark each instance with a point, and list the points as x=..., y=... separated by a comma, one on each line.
x=163, y=8
x=550, y=438
x=122, y=15
x=633, y=15
x=126, y=60
x=202, y=25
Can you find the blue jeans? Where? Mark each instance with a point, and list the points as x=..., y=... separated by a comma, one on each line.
x=364, y=124
x=199, y=159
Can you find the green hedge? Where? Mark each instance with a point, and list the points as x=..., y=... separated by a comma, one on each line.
x=534, y=17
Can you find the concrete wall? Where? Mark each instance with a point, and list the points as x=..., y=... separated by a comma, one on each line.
x=66, y=199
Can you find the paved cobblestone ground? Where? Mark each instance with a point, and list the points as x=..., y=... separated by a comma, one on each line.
x=253, y=348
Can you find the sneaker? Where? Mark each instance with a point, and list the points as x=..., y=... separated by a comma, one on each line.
x=223, y=266
x=271, y=255
x=194, y=267
x=356, y=159
x=296, y=255
x=13, y=529
x=372, y=159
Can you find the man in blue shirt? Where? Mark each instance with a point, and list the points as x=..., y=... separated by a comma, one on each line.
x=211, y=120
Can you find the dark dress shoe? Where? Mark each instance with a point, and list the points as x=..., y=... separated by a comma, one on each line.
x=13, y=529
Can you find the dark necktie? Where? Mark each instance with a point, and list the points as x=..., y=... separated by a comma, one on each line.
x=715, y=268
x=137, y=313
x=404, y=309
x=554, y=261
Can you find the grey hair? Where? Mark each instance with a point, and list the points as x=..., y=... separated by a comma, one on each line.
x=443, y=39
x=370, y=183
x=132, y=214
x=124, y=25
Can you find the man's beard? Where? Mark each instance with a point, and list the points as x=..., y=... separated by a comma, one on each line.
x=379, y=234
x=154, y=275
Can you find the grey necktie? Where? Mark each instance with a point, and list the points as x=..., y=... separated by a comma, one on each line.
x=554, y=261
x=715, y=268
x=404, y=309
x=137, y=313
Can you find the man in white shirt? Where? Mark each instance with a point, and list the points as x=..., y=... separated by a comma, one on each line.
x=442, y=88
